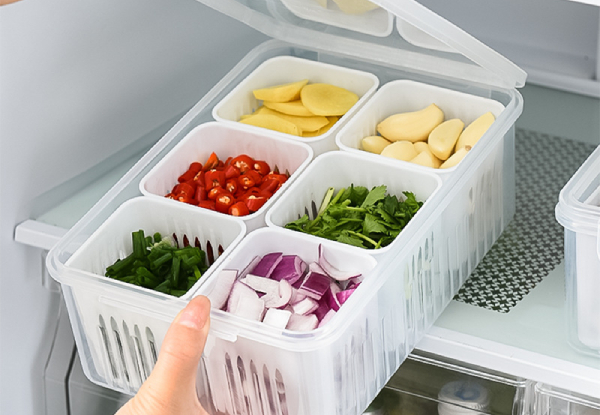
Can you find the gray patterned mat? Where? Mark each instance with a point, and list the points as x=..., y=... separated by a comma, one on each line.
x=532, y=244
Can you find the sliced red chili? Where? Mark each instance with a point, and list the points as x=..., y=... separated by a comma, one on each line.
x=243, y=162
x=186, y=189
x=223, y=202
x=249, y=179
x=207, y=204
x=232, y=172
x=231, y=186
x=262, y=167
x=270, y=186
x=201, y=193
x=194, y=168
x=281, y=178
x=211, y=163
x=255, y=202
x=186, y=199
x=214, y=178
x=239, y=209
x=215, y=191
x=199, y=178
x=170, y=196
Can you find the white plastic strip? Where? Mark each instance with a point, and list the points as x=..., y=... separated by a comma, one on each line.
x=38, y=234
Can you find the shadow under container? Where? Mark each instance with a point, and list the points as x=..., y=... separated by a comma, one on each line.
x=119, y=327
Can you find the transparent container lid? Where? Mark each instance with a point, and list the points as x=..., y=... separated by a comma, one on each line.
x=393, y=32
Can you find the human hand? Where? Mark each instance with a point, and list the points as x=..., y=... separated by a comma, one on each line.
x=171, y=387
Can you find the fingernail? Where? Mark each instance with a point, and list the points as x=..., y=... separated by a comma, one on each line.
x=190, y=317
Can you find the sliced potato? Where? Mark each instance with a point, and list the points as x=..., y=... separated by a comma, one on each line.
x=291, y=108
x=326, y=99
x=374, y=144
x=281, y=93
x=322, y=130
x=306, y=124
x=400, y=150
x=443, y=138
x=272, y=122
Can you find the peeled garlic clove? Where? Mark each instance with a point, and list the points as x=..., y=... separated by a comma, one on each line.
x=421, y=146
x=400, y=150
x=474, y=131
x=411, y=126
x=374, y=144
x=355, y=6
x=444, y=137
x=455, y=158
x=426, y=158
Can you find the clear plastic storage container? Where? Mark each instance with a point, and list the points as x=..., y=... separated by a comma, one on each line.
x=578, y=210
x=409, y=285
x=554, y=401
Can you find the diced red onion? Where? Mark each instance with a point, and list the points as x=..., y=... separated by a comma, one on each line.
x=315, y=267
x=280, y=297
x=296, y=296
x=261, y=284
x=331, y=296
x=220, y=292
x=332, y=271
x=306, y=306
x=290, y=268
x=249, y=267
x=323, y=308
x=244, y=302
x=267, y=264
x=353, y=283
x=342, y=296
x=302, y=323
x=327, y=317
x=315, y=285
x=277, y=318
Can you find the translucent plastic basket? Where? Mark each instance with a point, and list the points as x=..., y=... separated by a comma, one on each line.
x=250, y=367
x=578, y=210
x=120, y=326
x=554, y=401
x=228, y=140
x=284, y=69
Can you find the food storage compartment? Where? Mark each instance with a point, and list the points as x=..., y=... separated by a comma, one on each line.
x=254, y=367
x=119, y=326
x=281, y=70
x=550, y=400
x=429, y=384
x=286, y=157
x=578, y=211
x=357, y=15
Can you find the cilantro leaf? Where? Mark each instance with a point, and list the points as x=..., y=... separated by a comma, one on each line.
x=375, y=195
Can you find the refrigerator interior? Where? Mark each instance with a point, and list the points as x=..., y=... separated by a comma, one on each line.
x=136, y=70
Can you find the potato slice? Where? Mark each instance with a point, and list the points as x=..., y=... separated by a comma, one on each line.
x=272, y=122
x=306, y=124
x=374, y=144
x=400, y=150
x=355, y=6
x=325, y=99
x=291, y=108
x=281, y=93
x=322, y=130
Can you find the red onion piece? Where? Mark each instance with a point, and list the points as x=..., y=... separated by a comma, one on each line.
x=323, y=308
x=331, y=296
x=244, y=302
x=332, y=271
x=305, y=307
x=280, y=297
x=267, y=264
x=261, y=284
x=342, y=296
x=222, y=288
x=296, y=296
x=315, y=267
x=290, y=268
x=277, y=318
x=249, y=267
x=302, y=323
x=327, y=317
x=315, y=285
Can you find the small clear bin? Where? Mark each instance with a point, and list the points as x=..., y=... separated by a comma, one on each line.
x=120, y=326
x=227, y=140
x=284, y=69
x=554, y=401
x=264, y=367
x=578, y=211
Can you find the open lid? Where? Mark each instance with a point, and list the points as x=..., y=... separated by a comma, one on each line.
x=396, y=32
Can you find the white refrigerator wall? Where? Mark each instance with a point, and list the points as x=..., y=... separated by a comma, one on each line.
x=81, y=80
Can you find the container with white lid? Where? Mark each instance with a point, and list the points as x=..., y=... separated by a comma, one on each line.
x=463, y=215
x=578, y=211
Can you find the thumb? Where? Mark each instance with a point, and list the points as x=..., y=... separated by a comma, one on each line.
x=171, y=387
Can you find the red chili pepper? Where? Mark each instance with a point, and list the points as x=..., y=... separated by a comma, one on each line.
x=223, y=202
x=215, y=191
x=186, y=189
x=231, y=186
x=281, y=178
x=269, y=186
x=207, y=204
x=182, y=197
x=238, y=209
x=211, y=163
x=262, y=167
x=200, y=194
x=228, y=161
x=199, y=178
x=232, y=172
x=243, y=162
x=170, y=196
x=194, y=168
x=255, y=202
x=214, y=178
x=249, y=179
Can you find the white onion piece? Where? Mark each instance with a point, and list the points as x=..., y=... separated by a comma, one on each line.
x=332, y=271
x=277, y=318
x=327, y=317
x=222, y=288
x=302, y=323
x=306, y=306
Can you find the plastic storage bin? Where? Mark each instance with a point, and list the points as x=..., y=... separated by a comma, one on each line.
x=284, y=69
x=553, y=401
x=430, y=275
x=228, y=141
x=121, y=338
x=429, y=384
x=578, y=210
x=265, y=370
